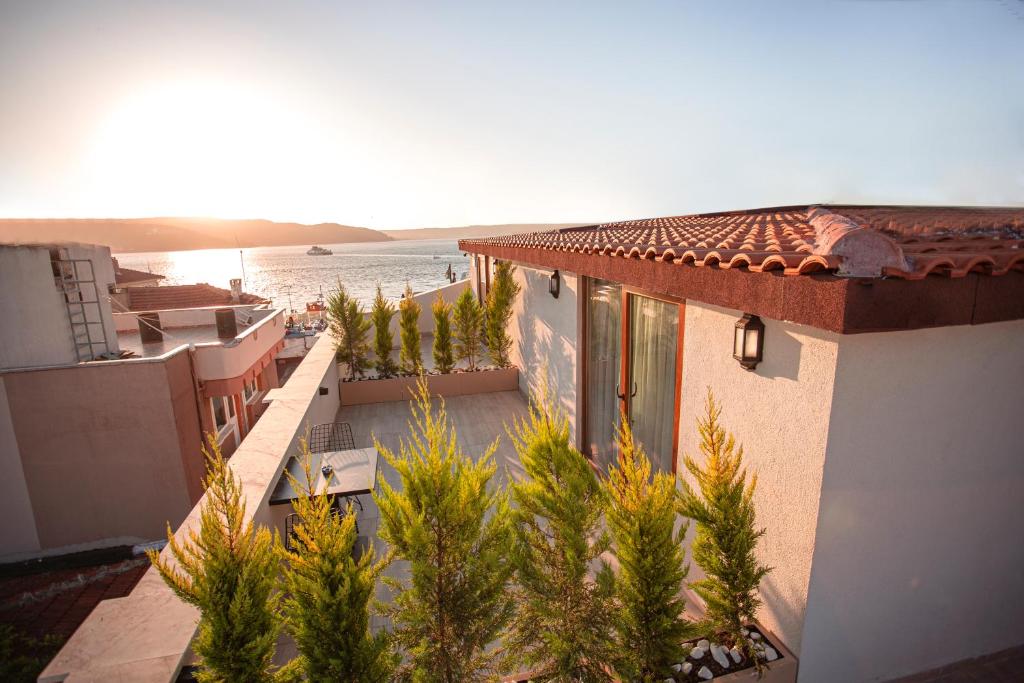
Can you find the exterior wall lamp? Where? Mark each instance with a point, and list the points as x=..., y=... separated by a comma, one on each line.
x=554, y=284
x=748, y=342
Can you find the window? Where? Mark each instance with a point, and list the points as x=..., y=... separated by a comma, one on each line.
x=219, y=416
x=230, y=400
x=250, y=389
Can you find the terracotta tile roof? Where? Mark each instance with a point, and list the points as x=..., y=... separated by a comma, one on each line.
x=907, y=242
x=184, y=296
x=127, y=276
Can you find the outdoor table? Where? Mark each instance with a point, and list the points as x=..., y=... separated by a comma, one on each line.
x=354, y=474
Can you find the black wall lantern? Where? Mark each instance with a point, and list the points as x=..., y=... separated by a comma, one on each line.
x=748, y=342
x=553, y=284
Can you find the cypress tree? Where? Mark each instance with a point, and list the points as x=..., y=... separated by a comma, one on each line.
x=410, y=357
x=652, y=565
x=499, y=312
x=228, y=570
x=383, y=341
x=444, y=360
x=350, y=329
x=327, y=608
x=723, y=508
x=455, y=531
x=468, y=318
x=563, y=628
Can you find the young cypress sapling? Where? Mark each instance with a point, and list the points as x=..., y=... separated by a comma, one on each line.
x=499, y=312
x=410, y=357
x=350, y=330
x=383, y=341
x=328, y=591
x=468, y=320
x=641, y=517
x=228, y=569
x=563, y=628
x=723, y=508
x=444, y=360
x=454, y=529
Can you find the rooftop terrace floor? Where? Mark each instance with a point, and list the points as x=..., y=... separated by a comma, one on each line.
x=478, y=419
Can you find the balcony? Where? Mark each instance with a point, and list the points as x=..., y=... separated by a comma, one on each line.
x=145, y=636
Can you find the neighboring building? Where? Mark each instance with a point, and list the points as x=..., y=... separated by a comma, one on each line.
x=100, y=427
x=881, y=419
x=185, y=296
x=126, y=277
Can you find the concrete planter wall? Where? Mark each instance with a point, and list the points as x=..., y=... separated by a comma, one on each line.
x=453, y=384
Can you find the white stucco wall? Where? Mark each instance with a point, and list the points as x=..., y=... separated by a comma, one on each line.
x=35, y=331
x=426, y=299
x=919, y=559
x=545, y=331
x=190, y=317
x=18, y=532
x=38, y=333
x=225, y=360
x=780, y=414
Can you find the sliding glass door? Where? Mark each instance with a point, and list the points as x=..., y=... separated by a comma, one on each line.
x=653, y=339
x=645, y=333
x=604, y=365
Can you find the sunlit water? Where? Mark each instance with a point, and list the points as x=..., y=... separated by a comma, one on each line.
x=283, y=273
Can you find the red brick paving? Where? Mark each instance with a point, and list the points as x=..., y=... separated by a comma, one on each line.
x=61, y=612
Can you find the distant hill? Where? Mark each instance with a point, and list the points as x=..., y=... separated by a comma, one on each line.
x=181, y=234
x=177, y=234
x=475, y=231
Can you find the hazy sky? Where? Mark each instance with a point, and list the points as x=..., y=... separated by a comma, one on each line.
x=427, y=114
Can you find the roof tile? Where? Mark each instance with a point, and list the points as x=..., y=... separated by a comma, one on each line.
x=909, y=242
x=167, y=297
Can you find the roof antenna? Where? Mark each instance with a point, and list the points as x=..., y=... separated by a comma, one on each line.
x=240, y=260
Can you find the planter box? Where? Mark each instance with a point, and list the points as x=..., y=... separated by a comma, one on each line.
x=452, y=384
x=782, y=670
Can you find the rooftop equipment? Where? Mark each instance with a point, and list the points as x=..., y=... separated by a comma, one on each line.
x=227, y=325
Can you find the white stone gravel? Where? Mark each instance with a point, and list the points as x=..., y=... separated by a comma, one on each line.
x=718, y=653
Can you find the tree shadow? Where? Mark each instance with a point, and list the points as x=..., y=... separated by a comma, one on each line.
x=543, y=345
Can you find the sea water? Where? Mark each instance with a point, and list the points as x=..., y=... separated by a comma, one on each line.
x=291, y=278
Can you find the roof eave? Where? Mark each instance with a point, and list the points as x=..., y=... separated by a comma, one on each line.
x=825, y=301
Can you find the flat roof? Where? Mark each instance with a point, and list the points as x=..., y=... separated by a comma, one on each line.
x=173, y=338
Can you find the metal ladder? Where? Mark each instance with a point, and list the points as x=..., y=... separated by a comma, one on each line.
x=81, y=298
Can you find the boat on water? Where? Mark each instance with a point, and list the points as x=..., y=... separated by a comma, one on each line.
x=318, y=251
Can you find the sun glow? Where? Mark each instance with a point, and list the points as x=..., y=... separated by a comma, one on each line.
x=205, y=149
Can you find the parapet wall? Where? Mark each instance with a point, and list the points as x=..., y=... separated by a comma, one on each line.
x=145, y=636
